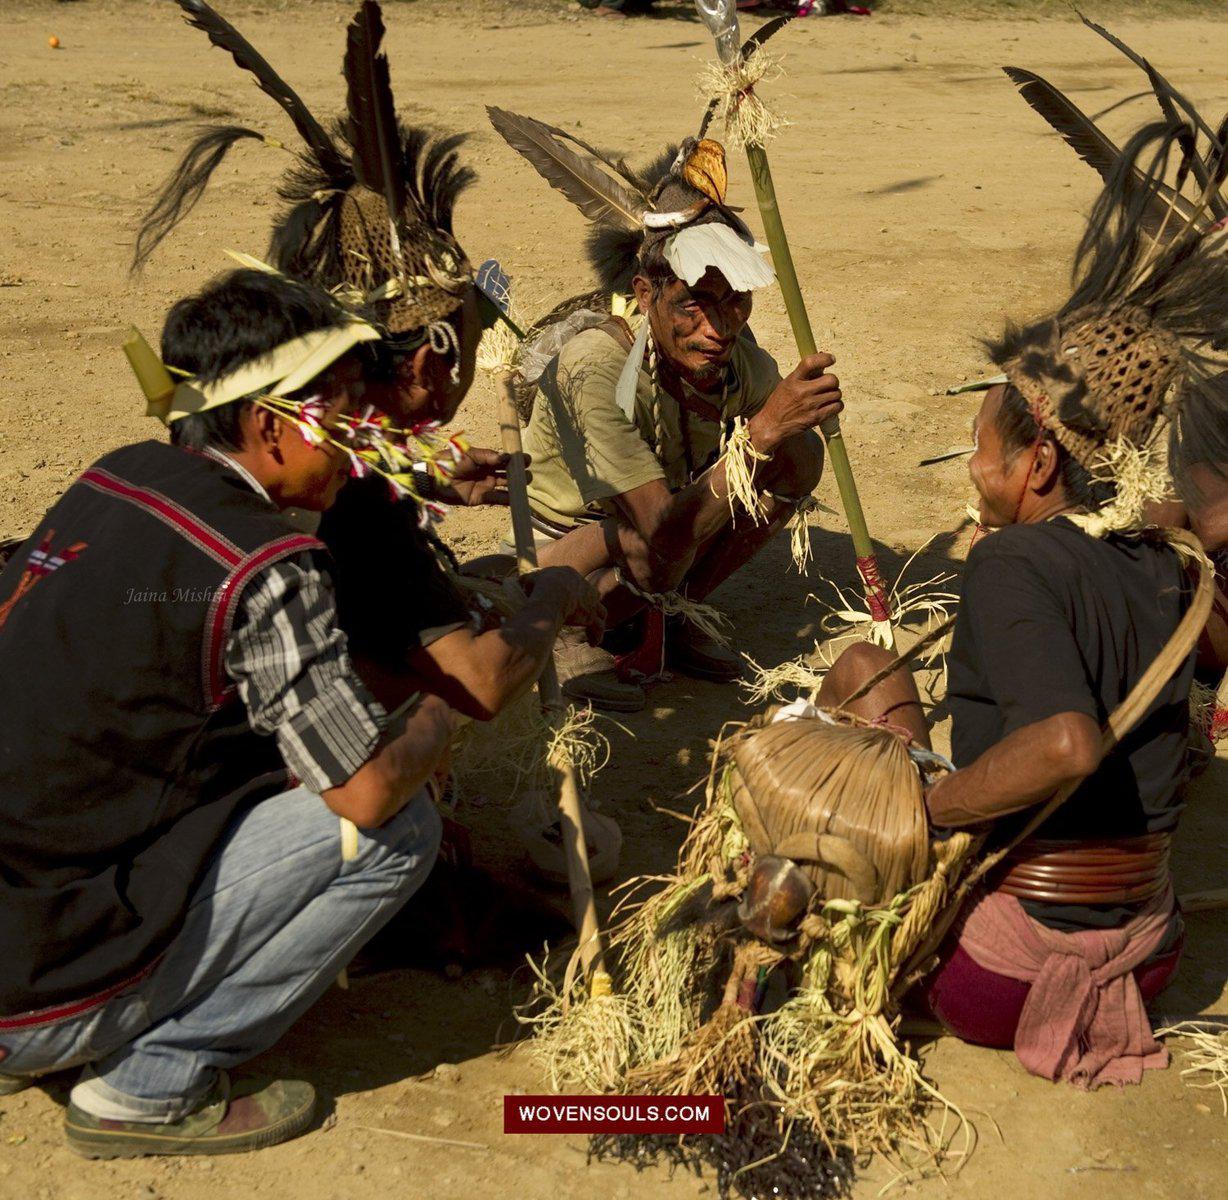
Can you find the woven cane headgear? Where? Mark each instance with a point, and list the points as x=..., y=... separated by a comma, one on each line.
x=1097, y=376
x=336, y=230
x=1145, y=318
x=680, y=192
x=428, y=277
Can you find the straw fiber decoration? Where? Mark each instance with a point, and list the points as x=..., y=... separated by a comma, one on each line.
x=844, y=802
x=743, y=974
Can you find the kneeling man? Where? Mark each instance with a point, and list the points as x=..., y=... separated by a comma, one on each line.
x=633, y=414
x=174, y=892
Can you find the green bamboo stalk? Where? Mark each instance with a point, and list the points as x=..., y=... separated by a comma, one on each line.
x=803, y=335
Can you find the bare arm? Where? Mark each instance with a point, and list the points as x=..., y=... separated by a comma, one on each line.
x=668, y=526
x=404, y=760
x=1023, y=769
x=479, y=674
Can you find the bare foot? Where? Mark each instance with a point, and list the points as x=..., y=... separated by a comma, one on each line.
x=603, y=10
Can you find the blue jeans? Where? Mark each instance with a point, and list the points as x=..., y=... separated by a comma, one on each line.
x=274, y=919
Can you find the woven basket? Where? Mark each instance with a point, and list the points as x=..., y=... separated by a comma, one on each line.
x=368, y=261
x=843, y=801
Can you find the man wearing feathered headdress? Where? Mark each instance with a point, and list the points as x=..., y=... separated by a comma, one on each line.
x=645, y=415
x=189, y=728
x=368, y=214
x=1064, y=610
x=1198, y=442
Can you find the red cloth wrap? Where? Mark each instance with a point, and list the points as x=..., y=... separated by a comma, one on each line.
x=876, y=592
x=647, y=661
x=1084, y=1019
x=746, y=993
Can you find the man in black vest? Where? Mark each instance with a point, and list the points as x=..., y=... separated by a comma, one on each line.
x=174, y=891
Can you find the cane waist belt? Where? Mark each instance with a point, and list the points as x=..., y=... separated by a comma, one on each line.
x=1109, y=871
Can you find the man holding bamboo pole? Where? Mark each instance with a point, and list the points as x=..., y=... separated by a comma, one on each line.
x=667, y=450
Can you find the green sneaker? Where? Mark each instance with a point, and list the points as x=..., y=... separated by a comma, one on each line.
x=230, y=1122
x=10, y=1085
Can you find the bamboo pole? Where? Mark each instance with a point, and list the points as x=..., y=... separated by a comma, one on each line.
x=721, y=19
x=579, y=877
x=803, y=335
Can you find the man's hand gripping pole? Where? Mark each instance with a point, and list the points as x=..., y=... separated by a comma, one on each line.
x=721, y=18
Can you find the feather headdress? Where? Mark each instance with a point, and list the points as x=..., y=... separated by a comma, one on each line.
x=1205, y=148
x=1198, y=442
x=370, y=200
x=1145, y=322
x=676, y=205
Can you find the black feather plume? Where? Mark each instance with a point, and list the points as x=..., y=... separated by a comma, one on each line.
x=226, y=37
x=1198, y=437
x=1165, y=92
x=1179, y=284
x=185, y=186
x=371, y=123
x=1169, y=100
x=654, y=172
x=1090, y=143
x=600, y=189
x=612, y=249
x=429, y=167
x=612, y=252
x=767, y=30
x=305, y=238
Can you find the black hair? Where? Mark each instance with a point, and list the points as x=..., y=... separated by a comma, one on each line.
x=232, y=321
x=654, y=267
x=1019, y=430
x=1199, y=434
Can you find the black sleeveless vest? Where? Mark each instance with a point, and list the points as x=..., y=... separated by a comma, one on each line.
x=124, y=752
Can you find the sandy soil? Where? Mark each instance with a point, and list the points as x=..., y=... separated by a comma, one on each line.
x=924, y=201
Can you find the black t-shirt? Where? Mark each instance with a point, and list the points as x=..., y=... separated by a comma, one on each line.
x=393, y=594
x=1052, y=620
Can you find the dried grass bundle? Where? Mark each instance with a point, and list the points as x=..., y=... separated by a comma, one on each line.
x=1204, y=704
x=747, y=119
x=825, y=1063
x=1206, y=1059
x=1140, y=477
x=799, y=533
x=789, y=680
x=519, y=750
x=707, y=618
x=740, y=457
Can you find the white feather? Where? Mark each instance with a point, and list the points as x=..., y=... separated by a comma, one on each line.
x=692, y=251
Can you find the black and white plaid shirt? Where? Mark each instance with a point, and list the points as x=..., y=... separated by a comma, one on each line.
x=287, y=656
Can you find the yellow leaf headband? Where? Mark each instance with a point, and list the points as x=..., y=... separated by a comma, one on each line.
x=283, y=370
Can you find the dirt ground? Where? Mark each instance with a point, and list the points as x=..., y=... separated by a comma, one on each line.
x=925, y=201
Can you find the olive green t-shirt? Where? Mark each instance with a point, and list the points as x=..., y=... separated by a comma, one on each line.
x=586, y=451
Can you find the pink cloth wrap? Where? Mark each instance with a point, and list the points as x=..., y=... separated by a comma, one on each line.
x=1084, y=1020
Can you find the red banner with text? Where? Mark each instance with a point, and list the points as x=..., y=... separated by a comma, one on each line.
x=613, y=1114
